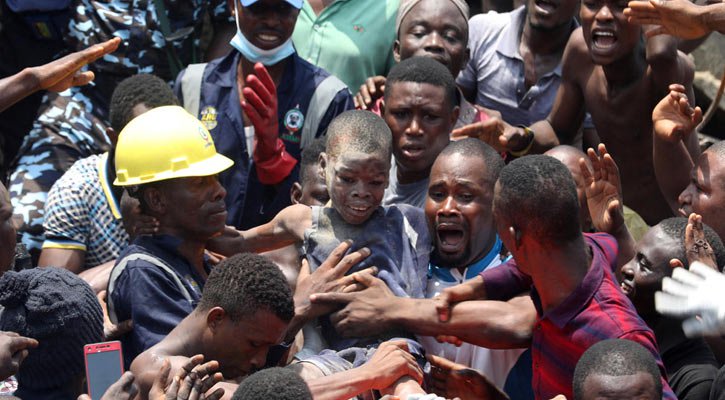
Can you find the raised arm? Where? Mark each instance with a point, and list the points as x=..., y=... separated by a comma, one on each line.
x=604, y=199
x=56, y=76
x=286, y=228
x=674, y=122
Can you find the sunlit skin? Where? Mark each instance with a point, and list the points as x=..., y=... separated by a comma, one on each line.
x=705, y=195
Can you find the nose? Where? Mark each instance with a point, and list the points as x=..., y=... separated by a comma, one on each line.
x=448, y=206
x=604, y=14
x=259, y=359
x=685, y=198
x=360, y=190
x=627, y=270
x=219, y=193
x=434, y=43
x=414, y=127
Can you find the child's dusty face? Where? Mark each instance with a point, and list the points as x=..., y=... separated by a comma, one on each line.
x=356, y=183
x=607, y=33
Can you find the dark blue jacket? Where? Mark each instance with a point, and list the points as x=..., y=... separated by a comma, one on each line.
x=249, y=202
x=150, y=297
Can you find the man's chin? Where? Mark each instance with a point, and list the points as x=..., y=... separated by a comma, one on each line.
x=449, y=260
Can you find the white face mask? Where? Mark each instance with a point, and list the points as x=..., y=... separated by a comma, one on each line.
x=254, y=53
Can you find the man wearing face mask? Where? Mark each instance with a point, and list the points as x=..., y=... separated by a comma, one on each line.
x=262, y=104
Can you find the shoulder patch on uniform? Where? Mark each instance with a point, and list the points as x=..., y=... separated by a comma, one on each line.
x=208, y=117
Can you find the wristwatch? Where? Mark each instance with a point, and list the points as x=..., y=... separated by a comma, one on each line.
x=529, y=137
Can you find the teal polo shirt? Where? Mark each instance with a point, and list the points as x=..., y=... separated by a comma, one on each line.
x=351, y=39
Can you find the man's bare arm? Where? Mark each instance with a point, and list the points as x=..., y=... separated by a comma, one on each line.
x=376, y=309
x=673, y=120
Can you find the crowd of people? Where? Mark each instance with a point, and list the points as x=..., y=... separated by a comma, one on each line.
x=335, y=199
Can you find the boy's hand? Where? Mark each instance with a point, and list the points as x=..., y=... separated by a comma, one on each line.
x=123, y=389
x=603, y=190
x=13, y=350
x=679, y=18
x=673, y=118
x=449, y=379
x=696, y=246
x=273, y=163
x=112, y=331
x=390, y=362
x=370, y=92
x=64, y=73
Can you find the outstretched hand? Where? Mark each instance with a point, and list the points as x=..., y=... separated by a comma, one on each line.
x=390, y=362
x=673, y=119
x=64, y=73
x=123, y=389
x=603, y=190
x=679, y=18
x=495, y=132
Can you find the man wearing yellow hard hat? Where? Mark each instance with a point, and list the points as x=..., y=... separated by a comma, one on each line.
x=167, y=160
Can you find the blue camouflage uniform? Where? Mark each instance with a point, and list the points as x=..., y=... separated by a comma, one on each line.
x=71, y=125
x=249, y=202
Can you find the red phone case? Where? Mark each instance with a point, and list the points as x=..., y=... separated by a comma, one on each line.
x=101, y=348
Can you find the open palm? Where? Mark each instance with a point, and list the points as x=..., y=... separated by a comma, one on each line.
x=603, y=190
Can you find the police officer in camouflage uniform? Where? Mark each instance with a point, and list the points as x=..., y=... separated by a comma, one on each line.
x=72, y=124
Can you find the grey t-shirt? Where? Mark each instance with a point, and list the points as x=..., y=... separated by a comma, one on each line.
x=413, y=194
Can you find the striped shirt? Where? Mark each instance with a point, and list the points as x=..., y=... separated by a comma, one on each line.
x=82, y=213
x=596, y=310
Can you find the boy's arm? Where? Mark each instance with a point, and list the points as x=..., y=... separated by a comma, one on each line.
x=286, y=228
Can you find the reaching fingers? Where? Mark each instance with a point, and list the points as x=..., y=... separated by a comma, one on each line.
x=337, y=254
x=189, y=366
x=358, y=278
x=159, y=386
x=18, y=343
x=660, y=30
x=215, y=395
x=256, y=101
x=586, y=173
x=349, y=261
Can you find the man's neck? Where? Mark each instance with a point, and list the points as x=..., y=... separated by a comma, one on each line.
x=408, y=177
x=556, y=272
x=545, y=41
x=478, y=257
x=625, y=71
x=191, y=249
x=186, y=339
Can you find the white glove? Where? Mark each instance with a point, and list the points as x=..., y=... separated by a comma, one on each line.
x=699, y=294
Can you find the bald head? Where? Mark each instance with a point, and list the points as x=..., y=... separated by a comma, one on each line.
x=570, y=156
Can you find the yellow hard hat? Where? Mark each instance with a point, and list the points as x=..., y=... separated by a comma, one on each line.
x=165, y=143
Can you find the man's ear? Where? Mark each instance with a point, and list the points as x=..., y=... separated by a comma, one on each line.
x=215, y=317
x=155, y=200
x=454, y=116
x=675, y=263
x=295, y=193
x=396, y=50
x=322, y=166
x=516, y=236
x=112, y=136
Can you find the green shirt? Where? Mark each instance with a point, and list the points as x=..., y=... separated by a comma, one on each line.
x=351, y=39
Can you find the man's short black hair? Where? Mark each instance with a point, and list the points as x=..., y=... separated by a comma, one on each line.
x=475, y=148
x=615, y=357
x=273, y=384
x=423, y=70
x=245, y=283
x=139, y=89
x=310, y=158
x=675, y=228
x=538, y=195
x=358, y=130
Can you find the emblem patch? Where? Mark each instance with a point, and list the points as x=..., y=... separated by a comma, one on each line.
x=208, y=117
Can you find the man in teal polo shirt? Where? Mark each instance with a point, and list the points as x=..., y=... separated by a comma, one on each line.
x=351, y=39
